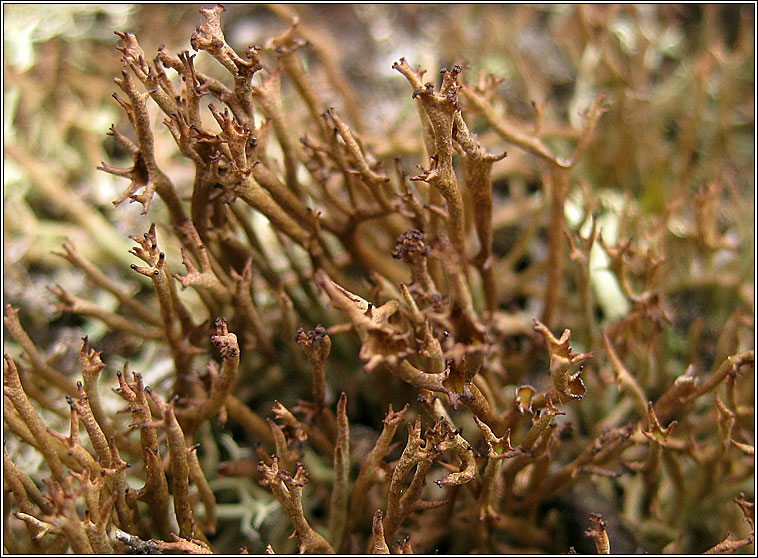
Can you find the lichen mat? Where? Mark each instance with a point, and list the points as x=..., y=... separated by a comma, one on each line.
x=338, y=328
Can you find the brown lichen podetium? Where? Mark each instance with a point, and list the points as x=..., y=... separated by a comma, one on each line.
x=440, y=108
x=599, y=534
x=563, y=362
x=317, y=345
x=288, y=489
